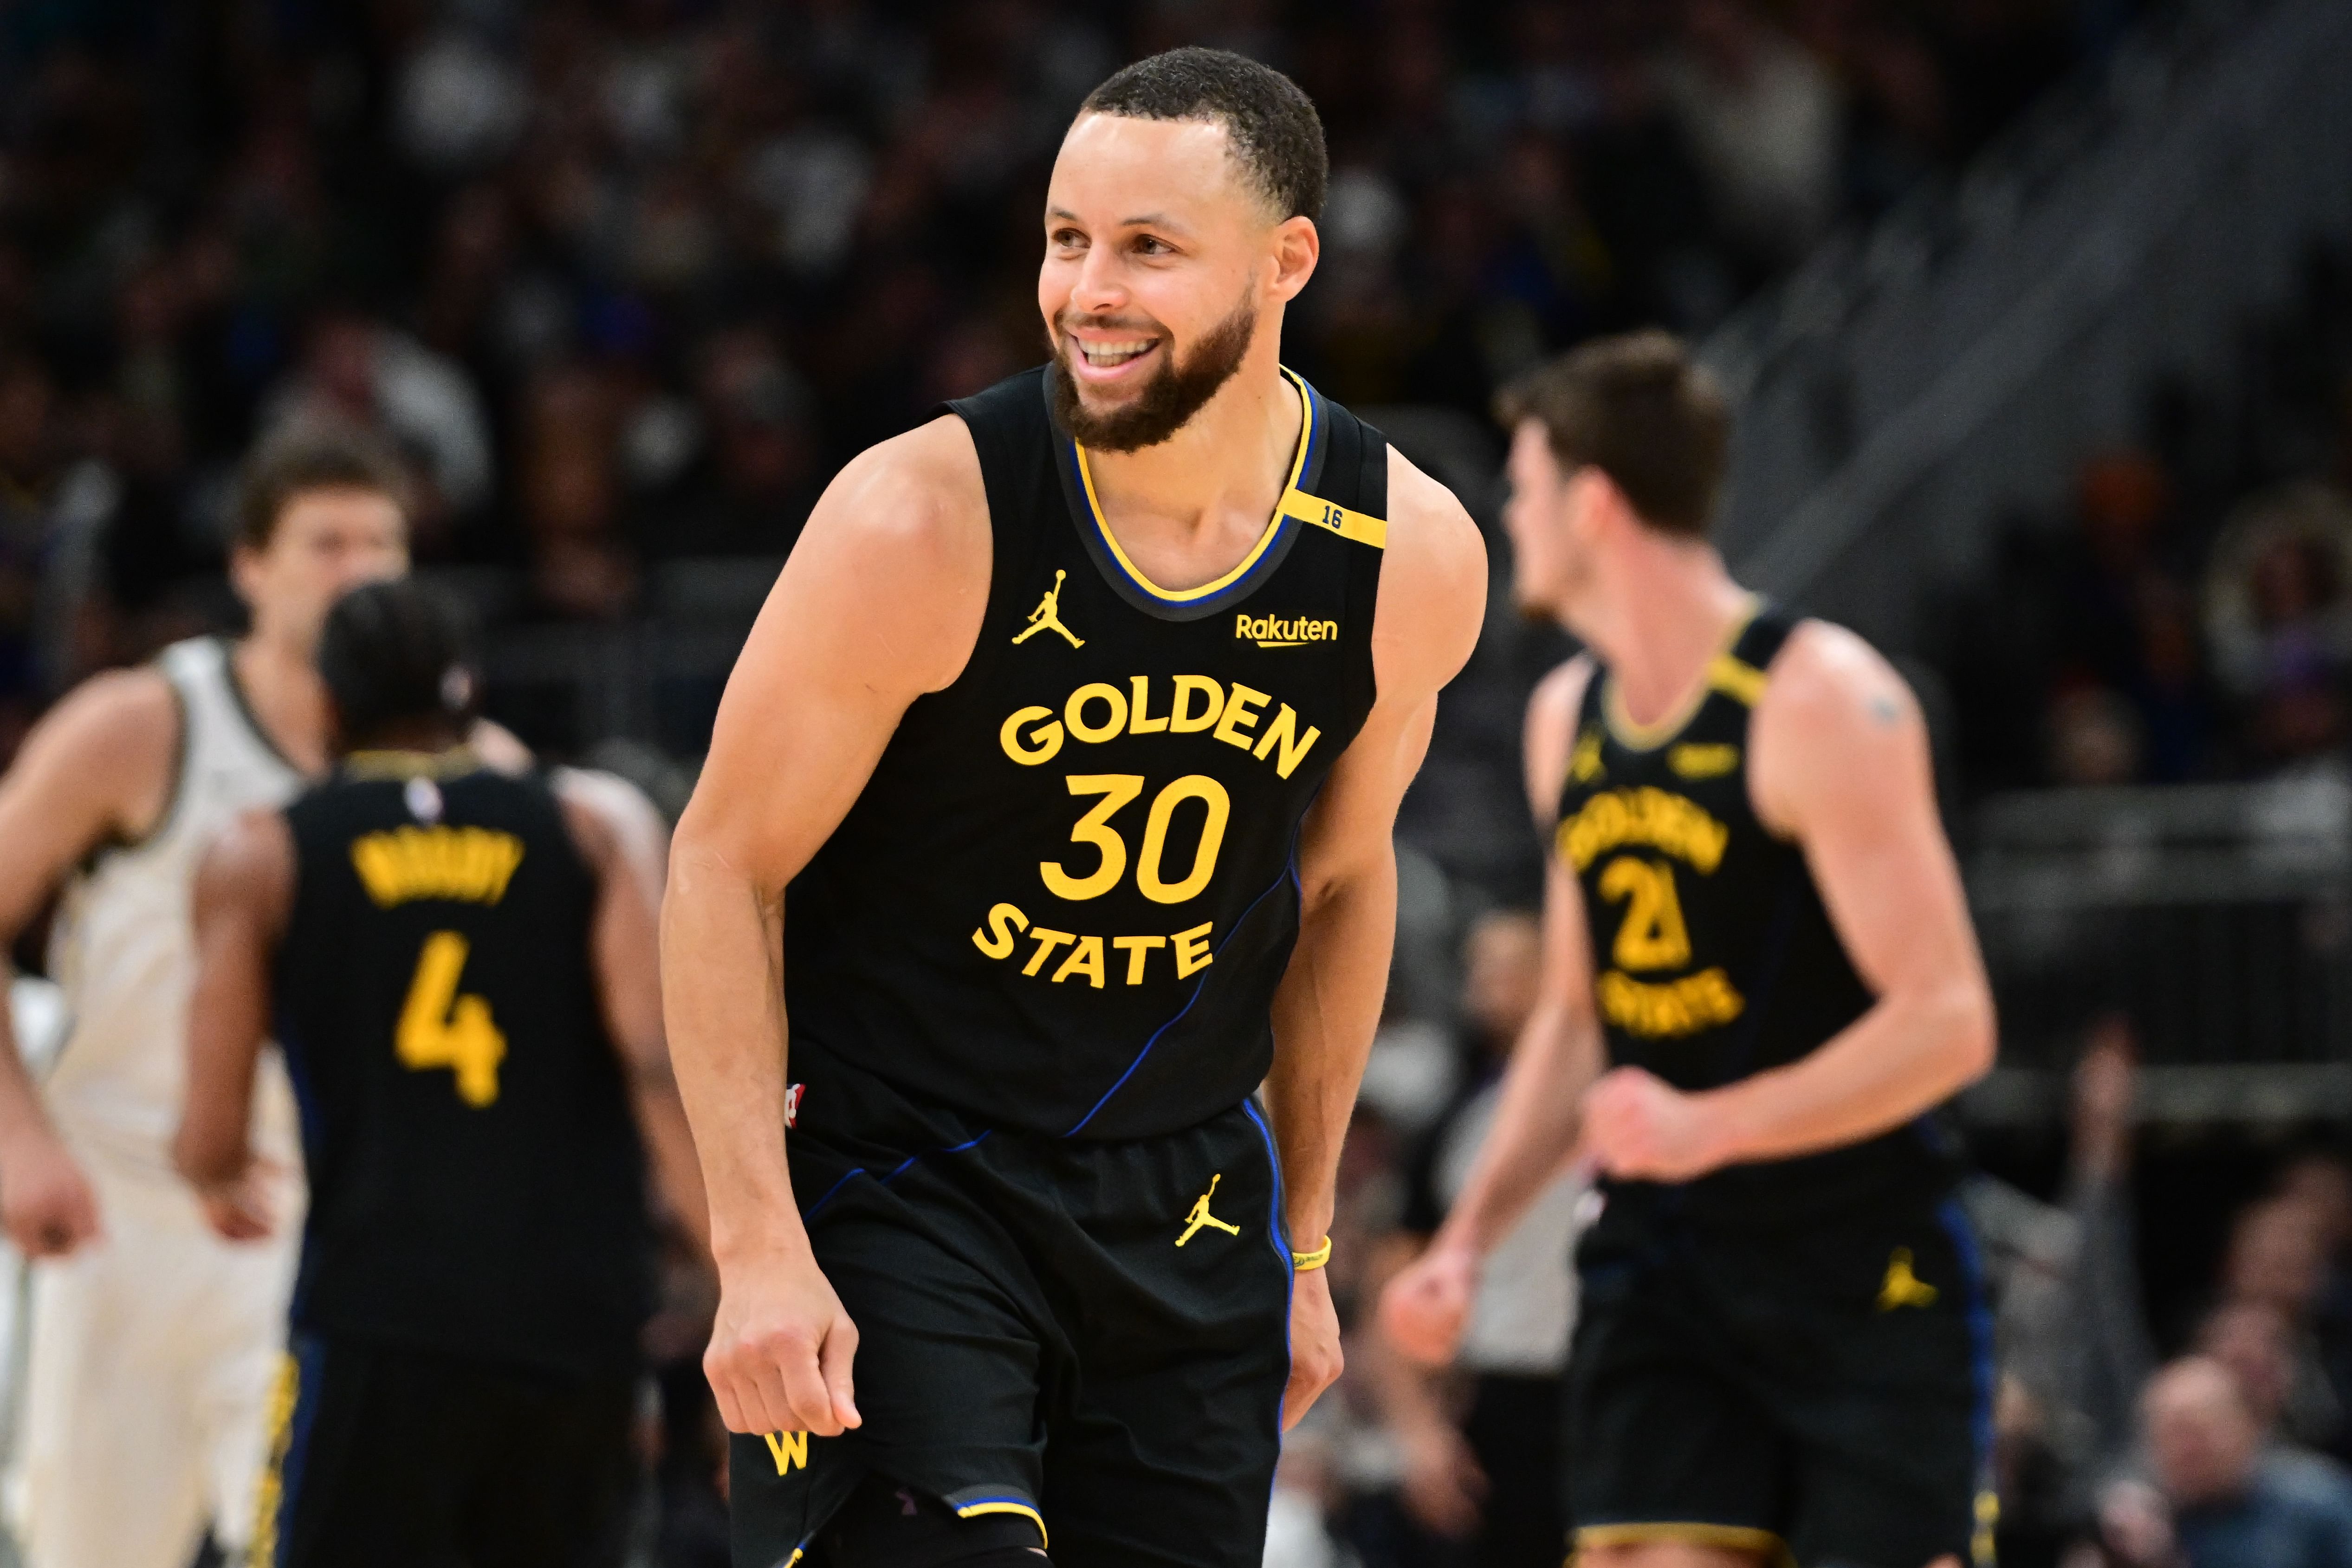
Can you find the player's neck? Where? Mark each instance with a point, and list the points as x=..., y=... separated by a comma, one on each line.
x=1188, y=509
x=287, y=699
x=1670, y=608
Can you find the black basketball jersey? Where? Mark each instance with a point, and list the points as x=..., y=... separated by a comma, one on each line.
x=1064, y=899
x=476, y=1179
x=1713, y=956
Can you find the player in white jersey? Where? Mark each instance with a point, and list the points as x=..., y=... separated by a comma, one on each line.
x=155, y=1342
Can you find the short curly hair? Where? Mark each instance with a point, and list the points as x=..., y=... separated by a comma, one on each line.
x=1276, y=135
x=312, y=455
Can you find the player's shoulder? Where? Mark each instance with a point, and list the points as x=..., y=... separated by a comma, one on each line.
x=1434, y=581
x=921, y=491
x=116, y=720
x=1826, y=678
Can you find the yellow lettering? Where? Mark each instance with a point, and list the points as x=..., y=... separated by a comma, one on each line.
x=1192, y=953
x=1073, y=714
x=1684, y=1007
x=1242, y=626
x=1182, y=719
x=1046, y=941
x=1240, y=716
x=1284, y=732
x=1003, y=921
x=1085, y=959
x=1137, y=949
x=1652, y=935
x=1191, y=786
x=1648, y=815
x=1040, y=744
x=788, y=1449
x=468, y=864
x=1094, y=828
x=1139, y=722
x=439, y=1028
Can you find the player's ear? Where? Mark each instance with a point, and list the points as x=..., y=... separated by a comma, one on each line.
x=1297, y=247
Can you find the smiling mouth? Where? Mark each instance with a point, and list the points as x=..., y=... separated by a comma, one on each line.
x=1110, y=356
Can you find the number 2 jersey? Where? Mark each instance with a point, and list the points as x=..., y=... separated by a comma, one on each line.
x=1713, y=957
x=1065, y=898
x=476, y=1180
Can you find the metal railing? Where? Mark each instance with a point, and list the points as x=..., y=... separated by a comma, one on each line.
x=2217, y=917
x=1914, y=383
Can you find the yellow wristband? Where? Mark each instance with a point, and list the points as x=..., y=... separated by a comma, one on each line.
x=1302, y=1261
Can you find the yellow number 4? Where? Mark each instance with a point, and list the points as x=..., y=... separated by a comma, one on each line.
x=439, y=1028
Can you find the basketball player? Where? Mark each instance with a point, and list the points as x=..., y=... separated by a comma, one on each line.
x=1760, y=980
x=153, y=1341
x=1077, y=724
x=461, y=966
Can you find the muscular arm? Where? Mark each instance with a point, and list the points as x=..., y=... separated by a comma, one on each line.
x=1433, y=595
x=245, y=887
x=96, y=770
x=1838, y=762
x=1558, y=1056
x=880, y=603
x=622, y=838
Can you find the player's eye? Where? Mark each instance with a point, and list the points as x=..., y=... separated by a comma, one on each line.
x=1067, y=238
x=1150, y=245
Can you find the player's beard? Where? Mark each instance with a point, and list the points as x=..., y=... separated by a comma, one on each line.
x=1168, y=401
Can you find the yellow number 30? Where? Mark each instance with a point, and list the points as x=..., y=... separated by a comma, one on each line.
x=439, y=1028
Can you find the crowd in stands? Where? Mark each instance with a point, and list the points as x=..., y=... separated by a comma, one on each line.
x=628, y=279
x=2192, y=618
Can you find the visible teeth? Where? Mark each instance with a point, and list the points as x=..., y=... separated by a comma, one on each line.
x=1112, y=354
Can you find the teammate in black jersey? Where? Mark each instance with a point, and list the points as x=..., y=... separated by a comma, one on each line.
x=459, y=965
x=1760, y=982
x=1076, y=725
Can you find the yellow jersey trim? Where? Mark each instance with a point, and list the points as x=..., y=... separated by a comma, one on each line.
x=1649, y=737
x=1257, y=552
x=1729, y=1537
x=1736, y=678
x=998, y=1505
x=1316, y=512
x=454, y=762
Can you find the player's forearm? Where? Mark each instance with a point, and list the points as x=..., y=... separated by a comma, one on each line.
x=22, y=1115
x=1910, y=1052
x=669, y=1147
x=1534, y=1130
x=1324, y=1018
x=722, y=1002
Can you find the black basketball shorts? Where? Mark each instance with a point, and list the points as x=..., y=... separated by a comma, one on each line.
x=383, y=1456
x=1818, y=1396
x=1081, y=1346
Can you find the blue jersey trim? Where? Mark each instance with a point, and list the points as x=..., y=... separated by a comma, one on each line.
x=1291, y=875
x=1981, y=1365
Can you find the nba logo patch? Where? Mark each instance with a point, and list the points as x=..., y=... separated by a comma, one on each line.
x=793, y=1105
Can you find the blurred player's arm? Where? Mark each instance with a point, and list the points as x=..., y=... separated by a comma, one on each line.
x=96, y=770
x=1838, y=760
x=244, y=887
x=1432, y=600
x=880, y=602
x=626, y=843
x=1558, y=1056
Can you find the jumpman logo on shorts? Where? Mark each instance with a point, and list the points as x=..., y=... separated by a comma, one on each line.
x=1201, y=1216
x=1048, y=615
x=1902, y=1288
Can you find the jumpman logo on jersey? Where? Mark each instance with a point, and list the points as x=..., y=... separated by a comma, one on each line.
x=1201, y=1216
x=1047, y=615
x=1902, y=1288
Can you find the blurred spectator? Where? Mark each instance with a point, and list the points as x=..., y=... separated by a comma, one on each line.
x=2278, y=616
x=2230, y=1504
x=1761, y=118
